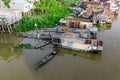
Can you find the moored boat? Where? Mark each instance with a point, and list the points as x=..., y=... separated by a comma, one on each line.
x=45, y=59
x=42, y=45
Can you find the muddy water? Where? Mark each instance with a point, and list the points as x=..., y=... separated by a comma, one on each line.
x=17, y=64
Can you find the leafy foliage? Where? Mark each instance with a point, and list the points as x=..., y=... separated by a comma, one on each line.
x=55, y=11
x=68, y=2
x=6, y=2
x=24, y=46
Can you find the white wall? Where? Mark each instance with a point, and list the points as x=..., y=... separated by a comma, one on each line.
x=23, y=6
x=2, y=5
x=10, y=15
x=88, y=24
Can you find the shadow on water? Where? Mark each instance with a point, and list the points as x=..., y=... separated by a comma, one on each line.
x=85, y=55
x=104, y=27
x=7, y=51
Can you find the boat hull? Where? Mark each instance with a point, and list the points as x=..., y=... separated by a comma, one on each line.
x=45, y=59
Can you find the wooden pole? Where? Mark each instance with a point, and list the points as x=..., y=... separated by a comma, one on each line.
x=3, y=29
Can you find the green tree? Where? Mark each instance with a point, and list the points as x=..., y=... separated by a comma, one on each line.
x=6, y=2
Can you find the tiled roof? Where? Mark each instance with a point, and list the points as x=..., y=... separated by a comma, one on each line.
x=91, y=3
x=105, y=4
x=103, y=0
x=89, y=10
x=77, y=19
x=109, y=14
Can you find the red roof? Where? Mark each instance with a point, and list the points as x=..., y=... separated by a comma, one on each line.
x=89, y=10
x=77, y=19
x=110, y=14
x=105, y=4
x=91, y=3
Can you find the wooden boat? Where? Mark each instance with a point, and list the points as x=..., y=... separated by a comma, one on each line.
x=45, y=59
x=34, y=47
x=42, y=45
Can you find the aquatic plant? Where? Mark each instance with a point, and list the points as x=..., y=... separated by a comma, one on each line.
x=24, y=46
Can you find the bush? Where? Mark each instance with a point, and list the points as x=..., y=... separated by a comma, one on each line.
x=24, y=46
x=55, y=11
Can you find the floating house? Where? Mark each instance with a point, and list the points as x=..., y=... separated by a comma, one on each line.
x=107, y=16
x=73, y=41
x=104, y=17
x=22, y=5
x=9, y=17
x=81, y=41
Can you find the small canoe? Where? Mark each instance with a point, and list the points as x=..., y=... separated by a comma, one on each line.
x=45, y=59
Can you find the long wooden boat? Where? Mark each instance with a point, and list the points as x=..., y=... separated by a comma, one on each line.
x=39, y=46
x=36, y=46
x=45, y=59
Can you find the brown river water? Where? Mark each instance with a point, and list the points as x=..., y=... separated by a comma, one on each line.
x=17, y=64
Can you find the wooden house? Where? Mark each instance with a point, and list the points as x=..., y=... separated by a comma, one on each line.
x=105, y=17
x=109, y=16
x=87, y=13
x=75, y=23
x=24, y=6
x=10, y=15
x=113, y=5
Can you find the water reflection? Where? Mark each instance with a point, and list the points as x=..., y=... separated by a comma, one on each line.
x=90, y=56
x=8, y=53
x=104, y=27
x=7, y=50
x=9, y=39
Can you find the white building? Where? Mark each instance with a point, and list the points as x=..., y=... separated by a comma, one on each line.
x=113, y=5
x=32, y=0
x=10, y=16
x=2, y=5
x=22, y=5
